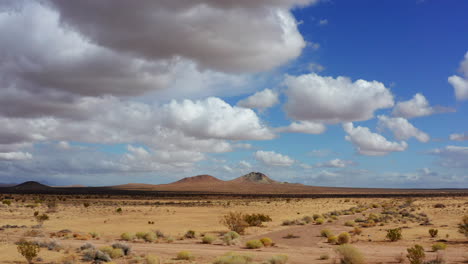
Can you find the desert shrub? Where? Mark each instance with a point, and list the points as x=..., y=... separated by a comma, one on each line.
x=119, y=210
x=112, y=252
x=439, y=205
x=96, y=256
x=140, y=235
x=266, y=241
x=255, y=243
x=256, y=219
x=439, y=259
x=439, y=246
x=349, y=255
x=233, y=258
x=316, y=216
x=28, y=250
x=152, y=259
x=170, y=239
x=127, y=236
x=307, y=219
x=350, y=223
x=185, y=255
x=125, y=248
x=150, y=237
x=416, y=254
x=86, y=204
x=326, y=233
x=433, y=232
x=190, y=234
x=463, y=226
x=69, y=259
x=357, y=230
x=278, y=259
x=343, y=238
x=87, y=246
x=319, y=221
x=159, y=233
x=324, y=257
x=41, y=218
x=234, y=221
x=54, y=245
x=394, y=234
x=231, y=238
x=208, y=239
x=94, y=234
x=7, y=202
x=332, y=239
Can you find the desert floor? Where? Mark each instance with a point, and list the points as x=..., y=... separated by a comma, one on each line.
x=175, y=217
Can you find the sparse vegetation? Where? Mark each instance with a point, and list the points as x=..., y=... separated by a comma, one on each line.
x=394, y=234
x=127, y=236
x=190, y=234
x=416, y=254
x=439, y=246
x=255, y=243
x=332, y=239
x=234, y=221
x=343, y=238
x=208, y=239
x=349, y=255
x=152, y=259
x=319, y=221
x=185, y=255
x=28, y=250
x=326, y=233
x=433, y=232
x=256, y=219
x=231, y=238
x=278, y=259
x=266, y=241
x=233, y=258
x=463, y=226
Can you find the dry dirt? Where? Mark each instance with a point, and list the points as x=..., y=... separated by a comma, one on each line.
x=175, y=217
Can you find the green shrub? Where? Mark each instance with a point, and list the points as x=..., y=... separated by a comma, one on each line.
x=112, y=252
x=343, y=238
x=326, y=233
x=94, y=234
x=208, y=239
x=255, y=243
x=439, y=246
x=231, y=238
x=349, y=255
x=233, y=258
x=7, y=202
x=463, y=226
x=41, y=218
x=127, y=236
x=319, y=221
x=119, y=210
x=332, y=239
x=234, y=221
x=185, y=255
x=266, y=241
x=357, y=230
x=125, y=248
x=278, y=259
x=433, y=232
x=28, y=250
x=394, y=234
x=96, y=256
x=140, y=235
x=416, y=254
x=152, y=259
x=316, y=216
x=150, y=237
x=307, y=219
x=256, y=219
x=190, y=234
x=350, y=223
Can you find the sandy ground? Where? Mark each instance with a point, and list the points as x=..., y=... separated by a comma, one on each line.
x=204, y=216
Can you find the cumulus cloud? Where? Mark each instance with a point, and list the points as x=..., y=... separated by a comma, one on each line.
x=452, y=156
x=273, y=159
x=459, y=137
x=245, y=164
x=326, y=99
x=418, y=106
x=260, y=100
x=305, y=127
x=460, y=84
x=335, y=163
x=369, y=143
x=15, y=156
x=401, y=128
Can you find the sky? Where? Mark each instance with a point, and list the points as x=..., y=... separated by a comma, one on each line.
x=344, y=93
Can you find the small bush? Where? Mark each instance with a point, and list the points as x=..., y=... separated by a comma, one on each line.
x=152, y=259
x=439, y=246
x=326, y=233
x=112, y=252
x=185, y=255
x=190, y=234
x=255, y=243
x=233, y=258
x=234, y=221
x=463, y=226
x=439, y=205
x=343, y=238
x=319, y=221
x=394, y=234
x=357, y=231
x=231, y=238
x=7, y=202
x=332, y=239
x=256, y=219
x=278, y=259
x=416, y=254
x=119, y=210
x=316, y=216
x=350, y=223
x=433, y=232
x=350, y=255
x=87, y=246
x=324, y=257
x=266, y=241
x=150, y=237
x=140, y=235
x=307, y=219
x=28, y=250
x=125, y=248
x=94, y=235
x=127, y=236
x=208, y=239
x=96, y=256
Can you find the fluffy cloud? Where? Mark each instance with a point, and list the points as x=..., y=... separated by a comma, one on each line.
x=452, y=156
x=303, y=127
x=417, y=106
x=15, y=156
x=273, y=159
x=401, y=128
x=460, y=84
x=371, y=144
x=459, y=137
x=260, y=100
x=326, y=99
x=335, y=163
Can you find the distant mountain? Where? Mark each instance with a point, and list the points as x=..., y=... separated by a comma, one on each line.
x=199, y=179
x=254, y=177
x=31, y=185
x=7, y=184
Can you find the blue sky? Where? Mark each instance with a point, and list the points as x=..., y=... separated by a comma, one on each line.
x=330, y=93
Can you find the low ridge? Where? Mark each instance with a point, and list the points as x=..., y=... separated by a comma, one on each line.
x=254, y=177
x=31, y=185
x=199, y=179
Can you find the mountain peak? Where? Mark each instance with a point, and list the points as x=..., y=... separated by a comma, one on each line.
x=199, y=179
x=31, y=185
x=255, y=177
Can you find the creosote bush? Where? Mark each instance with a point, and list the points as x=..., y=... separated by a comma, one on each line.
x=152, y=259
x=208, y=239
x=231, y=238
x=439, y=246
x=463, y=226
x=256, y=219
x=112, y=252
x=234, y=221
x=233, y=258
x=278, y=259
x=190, y=234
x=127, y=236
x=319, y=221
x=332, y=239
x=394, y=234
x=28, y=250
x=349, y=255
x=416, y=254
x=326, y=233
x=185, y=255
x=357, y=231
x=125, y=248
x=343, y=238
x=433, y=232
x=350, y=223
x=266, y=241
x=255, y=243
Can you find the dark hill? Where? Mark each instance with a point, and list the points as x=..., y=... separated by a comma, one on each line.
x=254, y=177
x=31, y=185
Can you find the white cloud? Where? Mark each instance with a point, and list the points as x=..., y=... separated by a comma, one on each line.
x=323, y=22
x=303, y=127
x=459, y=137
x=371, y=144
x=335, y=163
x=260, y=100
x=15, y=156
x=401, y=128
x=315, y=67
x=417, y=106
x=273, y=159
x=245, y=164
x=460, y=84
x=452, y=156
x=326, y=99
